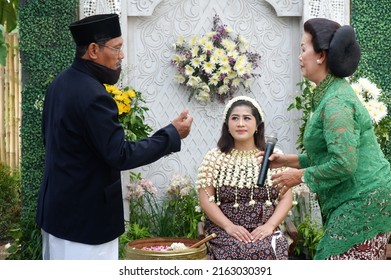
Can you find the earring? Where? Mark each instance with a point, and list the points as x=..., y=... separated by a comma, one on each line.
x=318, y=61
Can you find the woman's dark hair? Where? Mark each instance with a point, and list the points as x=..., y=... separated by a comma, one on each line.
x=226, y=141
x=322, y=31
x=339, y=42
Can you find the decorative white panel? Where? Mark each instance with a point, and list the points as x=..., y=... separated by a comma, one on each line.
x=337, y=10
x=290, y=8
x=150, y=41
x=141, y=7
x=92, y=7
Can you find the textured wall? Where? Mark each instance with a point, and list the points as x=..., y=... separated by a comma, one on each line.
x=273, y=28
x=151, y=37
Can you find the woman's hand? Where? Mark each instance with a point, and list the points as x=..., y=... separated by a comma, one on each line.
x=240, y=233
x=262, y=232
x=287, y=179
x=276, y=160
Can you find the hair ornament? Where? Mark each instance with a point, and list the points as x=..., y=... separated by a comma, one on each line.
x=243, y=98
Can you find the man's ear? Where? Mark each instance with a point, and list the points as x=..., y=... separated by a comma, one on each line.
x=93, y=50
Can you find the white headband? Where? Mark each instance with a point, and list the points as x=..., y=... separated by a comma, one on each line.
x=244, y=98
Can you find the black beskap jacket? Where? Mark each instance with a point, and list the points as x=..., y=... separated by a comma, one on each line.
x=81, y=197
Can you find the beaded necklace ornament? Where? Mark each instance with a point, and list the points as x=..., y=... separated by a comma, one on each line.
x=237, y=169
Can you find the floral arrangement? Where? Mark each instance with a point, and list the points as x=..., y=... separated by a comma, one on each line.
x=144, y=206
x=130, y=112
x=181, y=210
x=369, y=94
x=213, y=66
x=176, y=214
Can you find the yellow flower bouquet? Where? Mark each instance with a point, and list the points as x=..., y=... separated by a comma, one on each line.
x=130, y=112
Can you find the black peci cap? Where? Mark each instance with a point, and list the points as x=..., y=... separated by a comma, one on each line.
x=95, y=28
x=344, y=52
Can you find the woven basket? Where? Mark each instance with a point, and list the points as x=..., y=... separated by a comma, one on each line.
x=134, y=252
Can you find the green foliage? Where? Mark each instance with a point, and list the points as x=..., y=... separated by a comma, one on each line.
x=177, y=215
x=8, y=14
x=386, y=127
x=370, y=30
x=180, y=216
x=144, y=207
x=302, y=102
x=3, y=47
x=132, y=232
x=309, y=235
x=46, y=48
x=134, y=122
x=375, y=58
x=9, y=200
x=8, y=22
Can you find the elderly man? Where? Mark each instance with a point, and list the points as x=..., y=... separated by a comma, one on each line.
x=80, y=206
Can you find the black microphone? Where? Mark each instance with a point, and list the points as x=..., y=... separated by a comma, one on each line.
x=270, y=143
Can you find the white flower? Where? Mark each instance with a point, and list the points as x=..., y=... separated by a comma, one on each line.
x=193, y=81
x=180, y=79
x=370, y=88
x=189, y=70
x=377, y=110
x=180, y=40
x=368, y=94
x=196, y=62
x=198, y=209
x=208, y=67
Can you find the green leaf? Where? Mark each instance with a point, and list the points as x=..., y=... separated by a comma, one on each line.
x=8, y=14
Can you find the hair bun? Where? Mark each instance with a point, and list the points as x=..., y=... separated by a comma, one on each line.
x=344, y=52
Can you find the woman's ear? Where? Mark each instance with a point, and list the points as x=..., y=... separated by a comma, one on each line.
x=322, y=57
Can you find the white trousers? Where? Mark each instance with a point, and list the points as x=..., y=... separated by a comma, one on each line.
x=54, y=248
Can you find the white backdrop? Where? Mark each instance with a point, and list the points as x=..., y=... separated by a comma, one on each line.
x=273, y=29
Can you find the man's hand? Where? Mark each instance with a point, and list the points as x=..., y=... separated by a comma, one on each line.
x=183, y=123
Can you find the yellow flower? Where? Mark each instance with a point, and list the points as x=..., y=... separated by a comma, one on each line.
x=123, y=99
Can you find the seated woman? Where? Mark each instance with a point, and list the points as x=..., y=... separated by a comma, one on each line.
x=245, y=217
